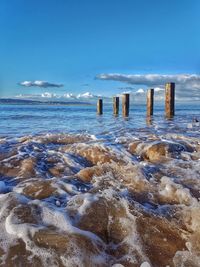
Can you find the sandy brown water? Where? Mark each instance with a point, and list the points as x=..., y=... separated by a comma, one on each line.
x=77, y=200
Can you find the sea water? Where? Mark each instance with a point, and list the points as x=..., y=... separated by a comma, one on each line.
x=18, y=120
x=78, y=189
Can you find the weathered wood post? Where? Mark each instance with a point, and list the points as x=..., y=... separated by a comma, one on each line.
x=125, y=105
x=100, y=106
x=150, y=96
x=116, y=106
x=149, y=120
x=169, y=99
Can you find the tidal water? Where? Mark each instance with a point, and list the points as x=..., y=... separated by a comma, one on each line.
x=19, y=120
x=81, y=190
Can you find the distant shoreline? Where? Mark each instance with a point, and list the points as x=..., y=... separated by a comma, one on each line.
x=10, y=101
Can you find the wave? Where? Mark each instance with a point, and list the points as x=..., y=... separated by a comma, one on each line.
x=76, y=200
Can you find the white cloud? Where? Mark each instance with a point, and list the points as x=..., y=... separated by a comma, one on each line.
x=139, y=96
x=140, y=91
x=61, y=97
x=48, y=95
x=86, y=95
x=158, y=89
x=187, y=85
x=152, y=79
x=69, y=95
x=42, y=84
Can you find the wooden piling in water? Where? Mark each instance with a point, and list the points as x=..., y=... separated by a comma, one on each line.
x=169, y=99
x=116, y=106
x=150, y=101
x=125, y=105
x=100, y=106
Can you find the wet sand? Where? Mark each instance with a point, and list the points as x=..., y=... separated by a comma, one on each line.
x=75, y=200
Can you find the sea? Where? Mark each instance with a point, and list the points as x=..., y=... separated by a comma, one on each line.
x=81, y=189
x=18, y=120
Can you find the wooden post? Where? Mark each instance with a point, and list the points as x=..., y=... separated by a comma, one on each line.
x=149, y=120
x=169, y=99
x=125, y=105
x=150, y=95
x=116, y=105
x=100, y=106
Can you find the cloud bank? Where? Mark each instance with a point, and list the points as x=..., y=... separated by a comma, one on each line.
x=41, y=84
x=152, y=79
x=61, y=97
x=187, y=85
x=139, y=95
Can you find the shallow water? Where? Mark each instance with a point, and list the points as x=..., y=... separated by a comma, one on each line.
x=19, y=120
x=81, y=190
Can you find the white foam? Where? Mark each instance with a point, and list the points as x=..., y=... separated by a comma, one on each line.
x=175, y=191
x=170, y=183
x=145, y=264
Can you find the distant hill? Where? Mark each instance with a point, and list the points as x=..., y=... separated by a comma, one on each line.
x=37, y=102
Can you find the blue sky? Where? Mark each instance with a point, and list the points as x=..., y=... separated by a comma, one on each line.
x=70, y=42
